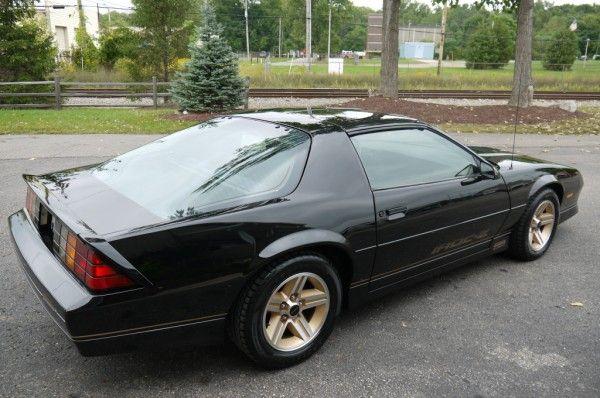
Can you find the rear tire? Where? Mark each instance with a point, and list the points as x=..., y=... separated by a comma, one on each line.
x=536, y=228
x=287, y=312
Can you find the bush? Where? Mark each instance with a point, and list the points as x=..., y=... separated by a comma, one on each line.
x=491, y=45
x=85, y=55
x=134, y=70
x=562, y=50
x=26, y=53
x=117, y=44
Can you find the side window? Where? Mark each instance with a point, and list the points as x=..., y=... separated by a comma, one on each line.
x=410, y=156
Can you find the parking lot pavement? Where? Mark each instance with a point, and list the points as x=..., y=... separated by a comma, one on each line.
x=493, y=328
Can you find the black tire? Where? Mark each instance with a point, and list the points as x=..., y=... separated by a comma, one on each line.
x=247, y=317
x=520, y=247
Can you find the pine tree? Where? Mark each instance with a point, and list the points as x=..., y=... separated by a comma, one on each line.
x=211, y=81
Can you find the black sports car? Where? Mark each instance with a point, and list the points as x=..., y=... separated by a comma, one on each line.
x=264, y=225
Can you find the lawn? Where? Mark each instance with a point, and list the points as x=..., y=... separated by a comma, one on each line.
x=150, y=121
x=583, y=77
x=413, y=75
x=89, y=120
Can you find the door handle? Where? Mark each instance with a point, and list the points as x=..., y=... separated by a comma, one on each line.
x=396, y=213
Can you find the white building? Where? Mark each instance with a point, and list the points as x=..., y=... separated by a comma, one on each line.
x=63, y=21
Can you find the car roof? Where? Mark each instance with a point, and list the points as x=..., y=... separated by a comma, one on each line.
x=321, y=120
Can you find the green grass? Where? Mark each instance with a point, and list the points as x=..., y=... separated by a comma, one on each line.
x=89, y=120
x=366, y=75
x=150, y=121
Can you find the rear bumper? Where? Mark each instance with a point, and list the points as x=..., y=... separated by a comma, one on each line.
x=82, y=316
x=58, y=291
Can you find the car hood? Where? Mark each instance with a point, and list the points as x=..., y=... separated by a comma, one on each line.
x=88, y=205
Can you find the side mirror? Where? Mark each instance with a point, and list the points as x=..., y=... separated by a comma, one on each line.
x=483, y=172
x=488, y=171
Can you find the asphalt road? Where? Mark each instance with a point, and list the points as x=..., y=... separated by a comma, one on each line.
x=493, y=328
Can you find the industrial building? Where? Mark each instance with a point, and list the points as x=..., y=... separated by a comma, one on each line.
x=62, y=18
x=415, y=41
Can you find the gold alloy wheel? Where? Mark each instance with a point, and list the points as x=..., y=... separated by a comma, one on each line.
x=296, y=311
x=541, y=226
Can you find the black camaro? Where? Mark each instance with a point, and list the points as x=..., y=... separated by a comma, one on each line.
x=264, y=225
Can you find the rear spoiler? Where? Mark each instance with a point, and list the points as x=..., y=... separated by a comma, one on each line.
x=56, y=207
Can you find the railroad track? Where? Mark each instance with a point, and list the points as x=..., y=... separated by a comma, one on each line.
x=348, y=93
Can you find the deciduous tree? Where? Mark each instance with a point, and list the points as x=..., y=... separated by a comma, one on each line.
x=491, y=45
x=561, y=51
x=522, y=91
x=26, y=48
x=389, y=49
x=166, y=26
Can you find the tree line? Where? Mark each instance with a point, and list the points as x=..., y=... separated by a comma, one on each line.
x=522, y=13
x=154, y=36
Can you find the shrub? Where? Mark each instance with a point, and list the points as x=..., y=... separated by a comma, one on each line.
x=26, y=53
x=561, y=51
x=85, y=55
x=490, y=46
x=117, y=44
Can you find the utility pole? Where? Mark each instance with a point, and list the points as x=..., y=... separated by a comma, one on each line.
x=48, y=16
x=442, y=40
x=81, y=15
x=587, y=44
x=109, y=21
x=279, y=37
x=98, y=14
x=247, y=31
x=329, y=34
x=308, y=49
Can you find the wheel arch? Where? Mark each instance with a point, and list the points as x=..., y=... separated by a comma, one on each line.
x=548, y=181
x=328, y=244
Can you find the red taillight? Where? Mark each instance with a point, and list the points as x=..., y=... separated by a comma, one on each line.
x=90, y=267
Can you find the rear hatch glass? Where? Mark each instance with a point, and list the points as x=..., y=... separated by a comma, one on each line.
x=221, y=163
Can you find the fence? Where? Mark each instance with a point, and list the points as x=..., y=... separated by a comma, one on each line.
x=121, y=90
x=62, y=90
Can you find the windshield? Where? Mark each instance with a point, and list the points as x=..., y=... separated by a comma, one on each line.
x=220, y=163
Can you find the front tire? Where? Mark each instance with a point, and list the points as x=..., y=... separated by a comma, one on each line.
x=536, y=228
x=288, y=311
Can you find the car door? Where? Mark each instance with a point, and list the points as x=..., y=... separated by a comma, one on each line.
x=433, y=204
